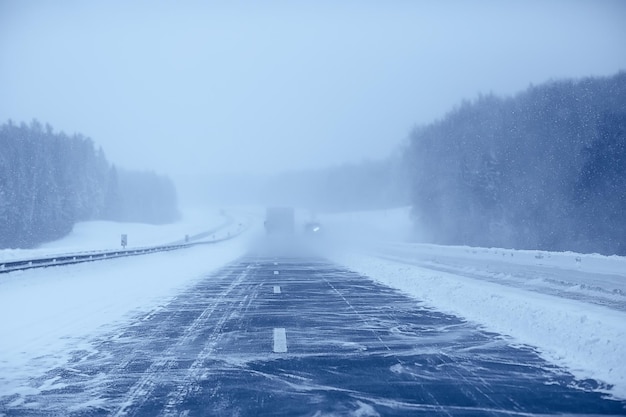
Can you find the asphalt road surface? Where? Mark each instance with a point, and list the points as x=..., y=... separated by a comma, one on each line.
x=290, y=336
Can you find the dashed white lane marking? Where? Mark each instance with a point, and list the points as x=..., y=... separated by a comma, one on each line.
x=276, y=289
x=276, y=272
x=280, y=340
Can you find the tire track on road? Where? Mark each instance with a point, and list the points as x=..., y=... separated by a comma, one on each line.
x=189, y=385
x=141, y=391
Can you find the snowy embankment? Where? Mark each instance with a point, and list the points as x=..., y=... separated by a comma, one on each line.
x=49, y=313
x=106, y=235
x=571, y=307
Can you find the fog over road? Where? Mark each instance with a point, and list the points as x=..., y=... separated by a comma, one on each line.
x=278, y=335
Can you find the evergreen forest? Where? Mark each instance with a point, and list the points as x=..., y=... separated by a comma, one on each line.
x=49, y=181
x=544, y=169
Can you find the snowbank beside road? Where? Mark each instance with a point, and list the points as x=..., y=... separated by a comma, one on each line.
x=105, y=235
x=593, y=262
x=51, y=312
x=589, y=340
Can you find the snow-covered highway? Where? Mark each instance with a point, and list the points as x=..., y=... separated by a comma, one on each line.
x=253, y=327
x=329, y=342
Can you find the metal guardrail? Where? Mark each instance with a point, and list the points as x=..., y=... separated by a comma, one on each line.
x=69, y=259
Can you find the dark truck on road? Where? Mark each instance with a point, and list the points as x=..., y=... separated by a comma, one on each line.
x=280, y=220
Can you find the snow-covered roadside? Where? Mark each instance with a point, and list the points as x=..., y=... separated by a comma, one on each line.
x=105, y=235
x=583, y=262
x=588, y=340
x=48, y=313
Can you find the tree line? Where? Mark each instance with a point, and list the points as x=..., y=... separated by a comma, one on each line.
x=49, y=181
x=544, y=169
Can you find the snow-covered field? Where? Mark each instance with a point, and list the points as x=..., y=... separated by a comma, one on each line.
x=105, y=235
x=571, y=307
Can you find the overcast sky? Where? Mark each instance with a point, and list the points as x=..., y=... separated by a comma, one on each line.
x=183, y=87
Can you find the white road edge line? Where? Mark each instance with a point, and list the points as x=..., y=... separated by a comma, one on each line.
x=280, y=340
x=276, y=289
